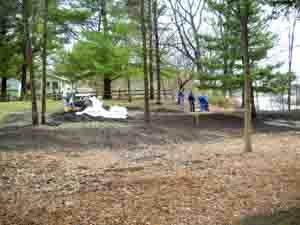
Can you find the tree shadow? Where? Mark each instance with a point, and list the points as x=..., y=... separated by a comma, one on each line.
x=282, y=217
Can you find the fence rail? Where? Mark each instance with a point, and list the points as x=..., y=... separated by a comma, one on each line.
x=115, y=93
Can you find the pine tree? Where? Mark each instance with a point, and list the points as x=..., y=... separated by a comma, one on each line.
x=44, y=59
x=146, y=83
x=244, y=17
x=8, y=45
x=157, y=51
x=226, y=60
x=150, y=37
x=30, y=17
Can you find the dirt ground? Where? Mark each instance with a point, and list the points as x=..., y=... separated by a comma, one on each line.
x=171, y=172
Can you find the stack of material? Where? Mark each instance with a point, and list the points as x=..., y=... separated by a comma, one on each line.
x=96, y=109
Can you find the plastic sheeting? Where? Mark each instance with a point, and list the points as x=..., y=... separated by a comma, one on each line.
x=97, y=110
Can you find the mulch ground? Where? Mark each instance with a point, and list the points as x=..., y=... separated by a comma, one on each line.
x=173, y=184
x=171, y=172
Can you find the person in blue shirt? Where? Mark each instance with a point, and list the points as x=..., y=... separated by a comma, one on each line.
x=181, y=100
x=191, y=99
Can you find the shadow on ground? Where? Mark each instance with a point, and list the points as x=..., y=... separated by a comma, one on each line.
x=287, y=217
x=165, y=128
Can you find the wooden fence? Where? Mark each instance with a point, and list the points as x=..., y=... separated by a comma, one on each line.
x=124, y=94
x=116, y=94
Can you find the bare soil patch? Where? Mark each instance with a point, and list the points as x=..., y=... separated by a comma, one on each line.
x=84, y=134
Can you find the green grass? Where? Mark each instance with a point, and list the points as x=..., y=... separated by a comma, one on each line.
x=287, y=217
x=7, y=108
x=215, y=97
x=218, y=100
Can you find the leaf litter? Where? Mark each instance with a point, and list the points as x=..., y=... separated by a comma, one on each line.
x=187, y=183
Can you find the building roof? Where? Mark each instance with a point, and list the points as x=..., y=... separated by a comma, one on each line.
x=58, y=77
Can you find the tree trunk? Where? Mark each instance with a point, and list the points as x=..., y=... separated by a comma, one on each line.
x=4, y=89
x=34, y=107
x=103, y=16
x=44, y=58
x=29, y=57
x=245, y=53
x=146, y=83
x=150, y=32
x=243, y=97
x=107, y=81
x=157, y=52
x=107, y=89
x=289, y=89
x=129, y=90
x=253, y=108
x=24, y=66
x=98, y=78
x=24, y=80
x=99, y=14
x=225, y=73
x=291, y=48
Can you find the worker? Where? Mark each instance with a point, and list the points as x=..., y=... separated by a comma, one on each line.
x=68, y=99
x=181, y=100
x=191, y=99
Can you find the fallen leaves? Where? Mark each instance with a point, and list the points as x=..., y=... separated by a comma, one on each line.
x=213, y=183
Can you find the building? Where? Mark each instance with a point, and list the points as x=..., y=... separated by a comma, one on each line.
x=13, y=88
x=56, y=84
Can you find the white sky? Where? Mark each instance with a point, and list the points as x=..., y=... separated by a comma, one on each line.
x=280, y=51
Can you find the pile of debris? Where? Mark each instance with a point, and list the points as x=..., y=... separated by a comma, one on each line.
x=95, y=108
x=89, y=109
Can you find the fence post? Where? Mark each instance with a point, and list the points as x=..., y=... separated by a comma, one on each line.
x=119, y=95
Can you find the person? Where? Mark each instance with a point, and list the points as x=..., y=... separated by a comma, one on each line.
x=181, y=99
x=191, y=99
x=178, y=97
x=68, y=99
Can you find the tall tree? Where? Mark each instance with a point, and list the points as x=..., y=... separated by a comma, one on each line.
x=150, y=35
x=44, y=59
x=8, y=43
x=146, y=83
x=224, y=62
x=107, y=80
x=3, y=34
x=244, y=14
x=30, y=17
x=24, y=41
x=292, y=19
x=157, y=51
x=187, y=16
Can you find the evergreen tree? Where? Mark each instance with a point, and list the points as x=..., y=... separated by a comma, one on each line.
x=144, y=52
x=44, y=59
x=150, y=37
x=244, y=17
x=8, y=44
x=225, y=63
x=157, y=51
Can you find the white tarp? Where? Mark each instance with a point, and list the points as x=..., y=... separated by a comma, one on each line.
x=97, y=110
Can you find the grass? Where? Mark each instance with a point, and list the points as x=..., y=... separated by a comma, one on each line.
x=215, y=97
x=167, y=104
x=219, y=100
x=8, y=108
x=287, y=217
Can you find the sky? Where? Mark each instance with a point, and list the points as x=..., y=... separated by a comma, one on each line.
x=280, y=51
